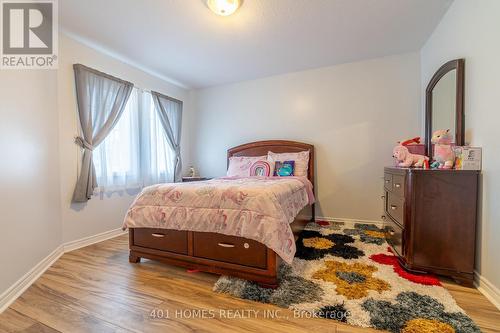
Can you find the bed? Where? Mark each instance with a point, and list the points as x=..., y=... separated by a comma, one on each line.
x=254, y=249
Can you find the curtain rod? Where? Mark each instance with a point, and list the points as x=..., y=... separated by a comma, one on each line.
x=166, y=96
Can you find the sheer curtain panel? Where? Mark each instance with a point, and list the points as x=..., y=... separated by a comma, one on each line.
x=157, y=156
x=136, y=153
x=117, y=159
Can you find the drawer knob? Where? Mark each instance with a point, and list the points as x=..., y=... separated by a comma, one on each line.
x=387, y=181
x=225, y=245
x=246, y=245
x=397, y=185
x=394, y=207
x=157, y=235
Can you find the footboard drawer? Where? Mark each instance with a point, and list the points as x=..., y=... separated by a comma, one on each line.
x=230, y=249
x=161, y=239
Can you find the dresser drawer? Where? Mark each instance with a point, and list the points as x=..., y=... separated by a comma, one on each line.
x=388, y=181
x=161, y=239
x=398, y=185
x=230, y=249
x=394, y=236
x=395, y=207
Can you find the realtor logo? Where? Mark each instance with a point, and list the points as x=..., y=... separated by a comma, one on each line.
x=29, y=34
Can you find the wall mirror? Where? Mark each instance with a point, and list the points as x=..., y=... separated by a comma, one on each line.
x=444, y=103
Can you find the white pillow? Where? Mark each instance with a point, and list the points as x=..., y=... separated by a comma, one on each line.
x=239, y=166
x=301, y=161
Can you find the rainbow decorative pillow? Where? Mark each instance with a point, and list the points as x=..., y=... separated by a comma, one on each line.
x=261, y=169
x=284, y=169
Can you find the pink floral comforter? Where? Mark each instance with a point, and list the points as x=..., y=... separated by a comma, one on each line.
x=258, y=208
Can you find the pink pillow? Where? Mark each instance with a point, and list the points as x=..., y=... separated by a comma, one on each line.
x=301, y=161
x=239, y=166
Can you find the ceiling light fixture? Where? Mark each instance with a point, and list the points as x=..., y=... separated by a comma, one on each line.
x=223, y=7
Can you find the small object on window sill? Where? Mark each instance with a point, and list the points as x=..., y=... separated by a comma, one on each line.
x=186, y=179
x=192, y=172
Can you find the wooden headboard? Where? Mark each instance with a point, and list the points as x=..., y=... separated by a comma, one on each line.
x=260, y=148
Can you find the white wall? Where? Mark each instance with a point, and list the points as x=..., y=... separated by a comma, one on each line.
x=39, y=164
x=470, y=30
x=29, y=171
x=353, y=114
x=101, y=213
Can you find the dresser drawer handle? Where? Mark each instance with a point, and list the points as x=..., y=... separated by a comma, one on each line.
x=225, y=245
x=397, y=185
x=393, y=207
x=387, y=181
x=158, y=235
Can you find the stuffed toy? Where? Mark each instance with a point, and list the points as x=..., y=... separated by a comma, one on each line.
x=405, y=159
x=444, y=157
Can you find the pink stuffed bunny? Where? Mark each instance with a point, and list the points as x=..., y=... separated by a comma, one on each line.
x=444, y=156
x=406, y=159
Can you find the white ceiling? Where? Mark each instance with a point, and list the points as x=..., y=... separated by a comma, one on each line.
x=184, y=41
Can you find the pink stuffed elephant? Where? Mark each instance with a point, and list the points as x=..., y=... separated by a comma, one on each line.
x=444, y=156
x=406, y=159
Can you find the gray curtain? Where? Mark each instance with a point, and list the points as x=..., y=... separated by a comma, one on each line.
x=101, y=100
x=170, y=113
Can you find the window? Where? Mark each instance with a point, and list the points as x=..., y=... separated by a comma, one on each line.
x=136, y=152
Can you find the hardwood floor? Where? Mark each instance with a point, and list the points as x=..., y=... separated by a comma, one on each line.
x=96, y=289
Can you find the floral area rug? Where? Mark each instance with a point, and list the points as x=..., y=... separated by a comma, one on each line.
x=350, y=275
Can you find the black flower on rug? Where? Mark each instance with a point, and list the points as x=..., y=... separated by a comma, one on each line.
x=312, y=245
x=368, y=233
x=414, y=312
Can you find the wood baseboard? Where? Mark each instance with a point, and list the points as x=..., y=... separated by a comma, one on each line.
x=346, y=221
x=86, y=241
x=485, y=287
x=14, y=291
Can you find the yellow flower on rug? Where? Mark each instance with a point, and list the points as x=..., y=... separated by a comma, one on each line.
x=374, y=234
x=420, y=325
x=318, y=243
x=352, y=280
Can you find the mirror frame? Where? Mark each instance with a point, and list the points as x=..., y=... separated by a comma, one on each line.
x=459, y=65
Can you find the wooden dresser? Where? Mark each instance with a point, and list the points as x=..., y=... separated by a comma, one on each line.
x=430, y=218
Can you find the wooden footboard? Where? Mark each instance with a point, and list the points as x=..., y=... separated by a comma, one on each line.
x=209, y=252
